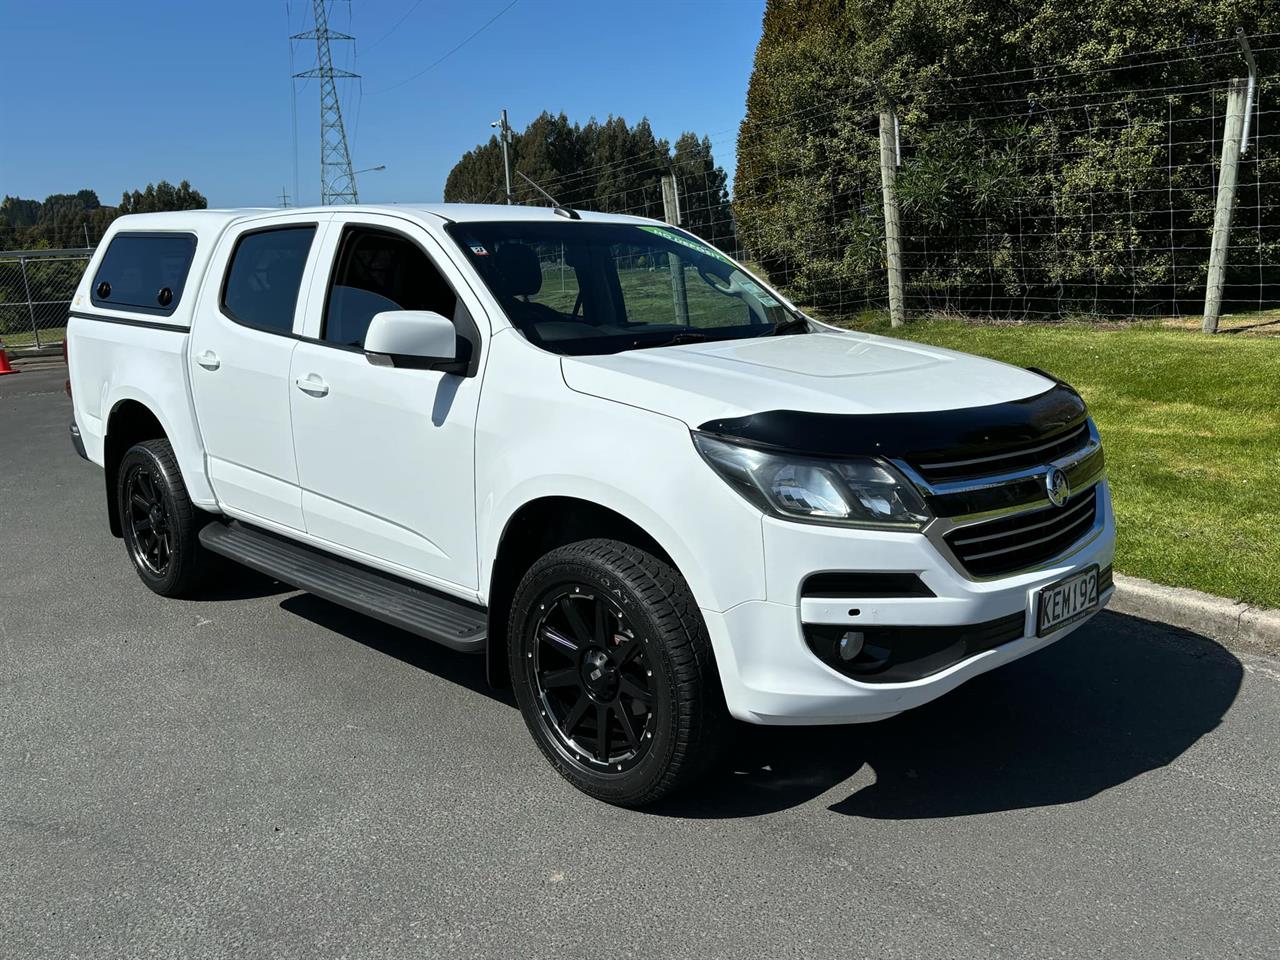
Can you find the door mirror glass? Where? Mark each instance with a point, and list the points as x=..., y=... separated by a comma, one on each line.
x=423, y=334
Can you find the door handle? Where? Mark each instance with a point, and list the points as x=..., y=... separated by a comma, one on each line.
x=209, y=360
x=312, y=384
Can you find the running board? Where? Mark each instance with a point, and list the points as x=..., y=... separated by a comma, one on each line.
x=418, y=609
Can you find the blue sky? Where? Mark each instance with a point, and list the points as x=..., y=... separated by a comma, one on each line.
x=111, y=95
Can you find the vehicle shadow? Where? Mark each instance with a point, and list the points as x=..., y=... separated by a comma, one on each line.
x=233, y=581
x=1116, y=699
x=464, y=669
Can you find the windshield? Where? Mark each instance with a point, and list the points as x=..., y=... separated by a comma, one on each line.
x=589, y=288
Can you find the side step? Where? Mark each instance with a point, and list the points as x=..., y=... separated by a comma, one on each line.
x=402, y=604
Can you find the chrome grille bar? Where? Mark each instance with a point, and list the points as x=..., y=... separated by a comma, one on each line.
x=1032, y=543
x=1052, y=521
x=1063, y=440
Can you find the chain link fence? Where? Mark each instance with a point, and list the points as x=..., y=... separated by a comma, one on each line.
x=36, y=288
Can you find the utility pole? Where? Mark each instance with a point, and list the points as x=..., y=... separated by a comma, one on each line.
x=337, y=182
x=671, y=213
x=892, y=224
x=1231, y=137
x=284, y=198
x=504, y=135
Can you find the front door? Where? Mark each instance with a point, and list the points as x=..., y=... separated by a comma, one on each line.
x=241, y=345
x=385, y=454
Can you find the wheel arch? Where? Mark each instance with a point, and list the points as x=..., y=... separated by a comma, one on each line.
x=130, y=422
x=535, y=528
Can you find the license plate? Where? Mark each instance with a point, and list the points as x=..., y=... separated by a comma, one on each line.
x=1066, y=601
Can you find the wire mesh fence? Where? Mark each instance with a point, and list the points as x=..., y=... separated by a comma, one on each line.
x=36, y=289
x=1079, y=190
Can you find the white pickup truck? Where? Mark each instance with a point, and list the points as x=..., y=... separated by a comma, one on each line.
x=648, y=488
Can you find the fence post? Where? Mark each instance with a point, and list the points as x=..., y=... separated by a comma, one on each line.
x=31, y=307
x=1233, y=131
x=892, y=226
x=671, y=213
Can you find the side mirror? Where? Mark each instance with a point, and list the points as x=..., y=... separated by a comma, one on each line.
x=414, y=338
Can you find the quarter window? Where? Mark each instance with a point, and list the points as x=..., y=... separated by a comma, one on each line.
x=378, y=270
x=144, y=272
x=264, y=276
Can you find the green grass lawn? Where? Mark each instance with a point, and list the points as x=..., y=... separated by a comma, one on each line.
x=1191, y=427
x=24, y=339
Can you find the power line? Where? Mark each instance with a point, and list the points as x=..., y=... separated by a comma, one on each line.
x=293, y=99
x=454, y=50
x=395, y=26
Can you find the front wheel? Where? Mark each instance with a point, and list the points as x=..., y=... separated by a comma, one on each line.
x=160, y=524
x=613, y=671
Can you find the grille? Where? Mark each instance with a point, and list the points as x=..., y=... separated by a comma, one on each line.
x=1023, y=540
x=1036, y=453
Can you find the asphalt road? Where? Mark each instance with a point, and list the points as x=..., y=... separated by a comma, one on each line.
x=263, y=774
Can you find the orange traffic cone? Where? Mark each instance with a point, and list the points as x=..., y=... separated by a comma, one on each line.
x=4, y=363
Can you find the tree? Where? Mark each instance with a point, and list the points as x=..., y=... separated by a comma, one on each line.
x=1035, y=157
x=610, y=166
x=162, y=196
x=704, y=191
x=72, y=219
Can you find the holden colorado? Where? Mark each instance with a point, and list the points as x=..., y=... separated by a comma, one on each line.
x=653, y=493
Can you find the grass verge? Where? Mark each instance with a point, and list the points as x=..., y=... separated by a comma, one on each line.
x=1191, y=426
x=26, y=339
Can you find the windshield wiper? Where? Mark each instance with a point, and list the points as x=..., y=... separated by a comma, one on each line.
x=684, y=336
x=794, y=325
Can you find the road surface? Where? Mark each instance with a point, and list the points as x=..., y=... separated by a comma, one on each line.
x=261, y=773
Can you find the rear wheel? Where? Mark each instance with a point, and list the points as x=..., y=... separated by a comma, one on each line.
x=613, y=671
x=160, y=524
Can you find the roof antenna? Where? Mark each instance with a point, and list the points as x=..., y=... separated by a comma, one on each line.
x=563, y=211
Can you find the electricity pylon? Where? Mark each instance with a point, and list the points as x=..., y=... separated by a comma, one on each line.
x=337, y=182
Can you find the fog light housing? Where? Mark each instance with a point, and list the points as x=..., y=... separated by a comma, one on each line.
x=850, y=644
x=899, y=654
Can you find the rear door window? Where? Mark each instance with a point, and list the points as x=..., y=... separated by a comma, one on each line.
x=263, y=278
x=144, y=272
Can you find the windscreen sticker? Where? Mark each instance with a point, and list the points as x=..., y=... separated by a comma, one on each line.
x=479, y=250
x=758, y=292
x=686, y=242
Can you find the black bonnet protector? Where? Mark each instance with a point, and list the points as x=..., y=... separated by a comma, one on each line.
x=970, y=432
x=936, y=434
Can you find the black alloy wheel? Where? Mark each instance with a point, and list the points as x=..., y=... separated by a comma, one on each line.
x=149, y=535
x=613, y=671
x=592, y=678
x=160, y=524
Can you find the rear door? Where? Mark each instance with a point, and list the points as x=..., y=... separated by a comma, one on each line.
x=242, y=341
x=386, y=454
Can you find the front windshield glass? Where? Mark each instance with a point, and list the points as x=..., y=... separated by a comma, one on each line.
x=589, y=288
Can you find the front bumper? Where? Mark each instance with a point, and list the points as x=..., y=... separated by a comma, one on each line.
x=769, y=672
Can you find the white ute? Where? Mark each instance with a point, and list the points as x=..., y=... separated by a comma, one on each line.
x=592, y=447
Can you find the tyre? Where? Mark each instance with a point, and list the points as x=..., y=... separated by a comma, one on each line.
x=614, y=674
x=160, y=524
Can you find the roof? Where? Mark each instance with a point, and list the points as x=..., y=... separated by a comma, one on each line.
x=458, y=212
x=473, y=212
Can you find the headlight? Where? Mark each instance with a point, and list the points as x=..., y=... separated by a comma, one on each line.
x=857, y=492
